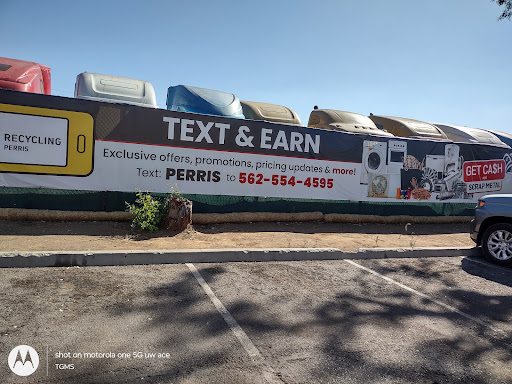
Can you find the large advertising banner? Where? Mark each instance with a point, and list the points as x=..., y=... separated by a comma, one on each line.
x=62, y=143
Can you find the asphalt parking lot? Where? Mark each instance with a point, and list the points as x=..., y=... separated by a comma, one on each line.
x=435, y=320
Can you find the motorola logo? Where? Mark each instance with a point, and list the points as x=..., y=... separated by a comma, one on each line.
x=23, y=360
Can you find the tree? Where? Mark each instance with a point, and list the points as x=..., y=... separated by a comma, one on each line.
x=507, y=12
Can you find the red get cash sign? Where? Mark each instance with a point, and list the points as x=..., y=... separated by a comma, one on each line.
x=484, y=176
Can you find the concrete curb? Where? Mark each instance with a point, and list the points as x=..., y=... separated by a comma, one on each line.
x=131, y=257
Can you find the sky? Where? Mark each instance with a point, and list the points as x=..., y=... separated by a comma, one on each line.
x=441, y=61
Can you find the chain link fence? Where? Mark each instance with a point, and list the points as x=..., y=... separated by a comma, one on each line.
x=110, y=201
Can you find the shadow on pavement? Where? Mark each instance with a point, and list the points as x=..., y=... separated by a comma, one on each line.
x=334, y=335
x=364, y=333
x=482, y=268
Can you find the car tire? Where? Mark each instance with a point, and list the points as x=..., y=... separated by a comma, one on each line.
x=497, y=243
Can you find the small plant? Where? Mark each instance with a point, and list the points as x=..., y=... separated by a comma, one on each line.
x=147, y=212
x=174, y=192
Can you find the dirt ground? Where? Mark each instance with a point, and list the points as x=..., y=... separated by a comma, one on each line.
x=83, y=236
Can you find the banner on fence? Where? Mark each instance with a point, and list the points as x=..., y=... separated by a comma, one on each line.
x=64, y=143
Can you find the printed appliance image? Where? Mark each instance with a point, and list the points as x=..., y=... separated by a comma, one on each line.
x=433, y=173
x=383, y=185
x=185, y=98
x=382, y=178
x=374, y=159
x=397, y=152
x=443, y=174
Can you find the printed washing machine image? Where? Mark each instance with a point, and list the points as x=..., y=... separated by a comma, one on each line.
x=374, y=159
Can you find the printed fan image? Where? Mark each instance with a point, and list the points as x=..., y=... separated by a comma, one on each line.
x=378, y=186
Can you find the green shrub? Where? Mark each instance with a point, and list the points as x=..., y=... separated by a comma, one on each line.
x=148, y=211
x=174, y=192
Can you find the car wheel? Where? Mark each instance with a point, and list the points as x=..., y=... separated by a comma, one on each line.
x=497, y=243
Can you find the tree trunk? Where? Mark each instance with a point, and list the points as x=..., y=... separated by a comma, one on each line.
x=179, y=215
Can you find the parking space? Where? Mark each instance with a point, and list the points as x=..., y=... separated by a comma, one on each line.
x=129, y=324
x=444, y=320
x=436, y=320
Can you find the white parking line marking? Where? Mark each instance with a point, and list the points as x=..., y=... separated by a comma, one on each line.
x=440, y=303
x=250, y=348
